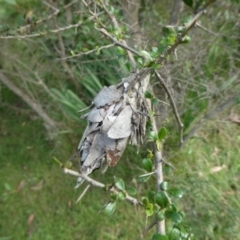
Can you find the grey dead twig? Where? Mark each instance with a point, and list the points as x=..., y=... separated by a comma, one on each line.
x=98, y=184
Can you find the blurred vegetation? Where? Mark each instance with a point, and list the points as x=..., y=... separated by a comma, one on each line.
x=36, y=200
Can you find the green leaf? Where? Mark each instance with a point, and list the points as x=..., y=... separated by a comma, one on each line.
x=174, y=216
x=128, y=66
x=188, y=2
x=153, y=135
x=158, y=236
x=147, y=164
x=151, y=113
x=151, y=196
x=161, y=199
x=131, y=191
x=154, y=101
x=147, y=94
x=174, y=192
x=110, y=208
x=57, y=161
x=164, y=185
x=186, y=39
x=146, y=55
x=175, y=234
x=145, y=201
x=168, y=31
x=160, y=215
x=143, y=179
x=162, y=133
x=121, y=195
x=114, y=196
x=68, y=164
x=172, y=207
x=120, y=184
x=149, y=209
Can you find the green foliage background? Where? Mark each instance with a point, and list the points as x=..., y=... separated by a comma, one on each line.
x=31, y=183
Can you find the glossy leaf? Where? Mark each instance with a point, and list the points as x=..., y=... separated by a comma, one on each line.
x=158, y=236
x=164, y=185
x=143, y=179
x=120, y=184
x=172, y=207
x=131, y=191
x=145, y=201
x=146, y=54
x=161, y=199
x=151, y=196
x=153, y=135
x=174, y=216
x=174, y=192
x=154, y=101
x=121, y=195
x=114, y=196
x=168, y=30
x=175, y=234
x=147, y=164
x=147, y=94
x=149, y=209
x=188, y=2
x=110, y=208
x=186, y=39
x=162, y=133
x=160, y=215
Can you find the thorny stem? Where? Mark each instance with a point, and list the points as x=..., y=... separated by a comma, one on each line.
x=160, y=225
x=95, y=183
x=158, y=162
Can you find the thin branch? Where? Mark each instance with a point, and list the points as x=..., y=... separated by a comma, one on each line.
x=158, y=161
x=160, y=225
x=187, y=27
x=43, y=33
x=174, y=108
x=120, y=44
x=116, y=26
x=82, y=110
x=64, y=62
x=147, y=174
x=88, y=52
x=24, y=28
x=144, y=233
x=95, y=183
x=205, y=29
x=83, y=193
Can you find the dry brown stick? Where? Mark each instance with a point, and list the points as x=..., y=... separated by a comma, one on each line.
x=174, y=107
